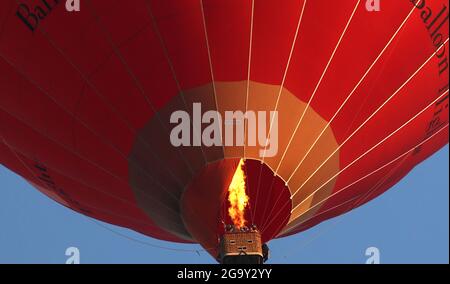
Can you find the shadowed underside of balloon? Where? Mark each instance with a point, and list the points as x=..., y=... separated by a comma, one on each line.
x=86, y=102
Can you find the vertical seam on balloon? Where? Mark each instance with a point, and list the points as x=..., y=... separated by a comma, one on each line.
x=213, y=82
x=318, y=84
x=248, y=74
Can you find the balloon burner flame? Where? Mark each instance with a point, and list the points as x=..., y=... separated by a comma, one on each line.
x=237, y=197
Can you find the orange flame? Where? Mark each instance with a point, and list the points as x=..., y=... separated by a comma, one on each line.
x=237, y=197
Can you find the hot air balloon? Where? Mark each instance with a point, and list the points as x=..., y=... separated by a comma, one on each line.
x=90, y=100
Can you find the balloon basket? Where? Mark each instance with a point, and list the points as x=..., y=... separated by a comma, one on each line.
x=242, y=246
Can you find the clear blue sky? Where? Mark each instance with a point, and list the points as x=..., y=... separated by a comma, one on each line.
x=408, y=224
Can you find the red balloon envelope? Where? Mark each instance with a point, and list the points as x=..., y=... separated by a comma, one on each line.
x=86, y=100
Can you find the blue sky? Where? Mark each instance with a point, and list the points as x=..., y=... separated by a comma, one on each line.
x=408, y=224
